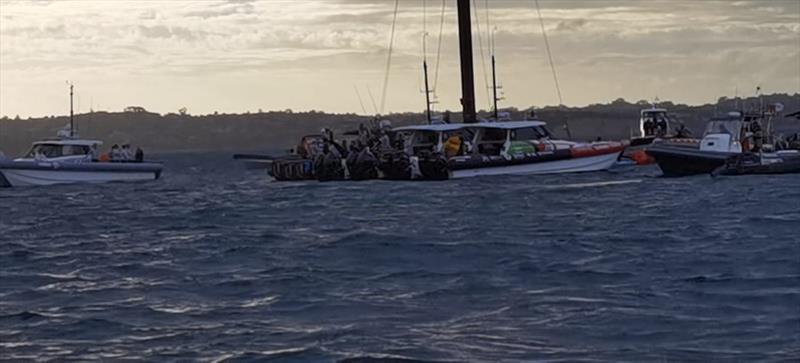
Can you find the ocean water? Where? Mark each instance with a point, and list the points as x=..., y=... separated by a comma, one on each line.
x=214, y=263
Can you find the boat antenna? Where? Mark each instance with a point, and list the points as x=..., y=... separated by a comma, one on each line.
x=465, y=51
x=760, y=100
x=71, y=115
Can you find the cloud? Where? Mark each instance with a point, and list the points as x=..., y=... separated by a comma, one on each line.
x=571, y=24
x=604, y=49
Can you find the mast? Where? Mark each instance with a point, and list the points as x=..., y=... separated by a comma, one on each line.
x=427, y=91
x=467, y=80
x=71, y=121
x=494, y=89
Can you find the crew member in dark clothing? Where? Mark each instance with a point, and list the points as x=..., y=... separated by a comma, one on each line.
x=139, y=155
x=682, y=131
x=758, y=140
x=648, y=127
x=661, y=124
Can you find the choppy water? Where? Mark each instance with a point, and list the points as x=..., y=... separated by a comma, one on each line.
x=214, y=263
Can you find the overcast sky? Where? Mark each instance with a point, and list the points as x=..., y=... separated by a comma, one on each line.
x=238, y=56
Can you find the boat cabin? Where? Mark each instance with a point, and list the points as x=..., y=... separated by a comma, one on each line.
x=727, y=133
x=63, y=150
x=654, y=122
x=489, y=138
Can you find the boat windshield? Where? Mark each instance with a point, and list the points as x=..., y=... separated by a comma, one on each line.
x=732, y=128
x=654, y=115
x=423, y=141
x=529, y=133
x=425, y=138
x=57, y=150
x=70, y=150
x=47, y=150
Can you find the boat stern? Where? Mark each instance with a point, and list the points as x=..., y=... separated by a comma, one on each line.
x=677, y=161
x=3, y=181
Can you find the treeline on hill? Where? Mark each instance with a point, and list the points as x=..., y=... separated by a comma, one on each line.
x=281, y=129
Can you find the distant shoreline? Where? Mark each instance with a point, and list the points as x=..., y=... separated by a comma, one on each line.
x=280, y=130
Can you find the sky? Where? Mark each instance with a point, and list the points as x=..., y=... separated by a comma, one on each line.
x=241, y=56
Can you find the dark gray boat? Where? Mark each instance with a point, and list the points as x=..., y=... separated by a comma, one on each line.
x=781, y=162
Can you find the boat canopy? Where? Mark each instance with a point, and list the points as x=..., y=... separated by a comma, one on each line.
x=653, y=110
x=432, y=128
x=508, y=125
x=62, y=142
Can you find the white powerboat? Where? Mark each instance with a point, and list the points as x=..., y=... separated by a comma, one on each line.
x=69, y=160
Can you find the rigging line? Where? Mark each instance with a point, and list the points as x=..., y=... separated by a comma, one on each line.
x=360, y=101
x=374, y=106
x=389, y=57
x=424, y=30
x=549, y=54
x=438, y=49
x=480, y=46
x=489, y=30
x=424, y=17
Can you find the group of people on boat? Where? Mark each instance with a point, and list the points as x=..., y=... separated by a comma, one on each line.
x=655, y=125
x=122, y=154
x=375, y=151
x=754, y=137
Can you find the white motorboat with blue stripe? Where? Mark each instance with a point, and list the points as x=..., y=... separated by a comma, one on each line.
x=68, y=160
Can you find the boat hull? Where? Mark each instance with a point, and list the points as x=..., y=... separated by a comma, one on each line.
x=572, y=165
x=753, y=164
x=677, y=161
x=255, y=161
x=19, y=174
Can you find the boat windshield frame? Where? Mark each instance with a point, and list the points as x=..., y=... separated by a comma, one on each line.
x=728, y=126
x=476, y=133
x=54, y=149
x=654, y=115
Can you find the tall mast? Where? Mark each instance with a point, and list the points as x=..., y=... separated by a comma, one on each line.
x=467, y=80
x=71, y=121
x=427, y=91
x=494, y=88
x=490, y=32
x=425, y=73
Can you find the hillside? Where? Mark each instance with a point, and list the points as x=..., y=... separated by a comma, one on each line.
x=281, y=129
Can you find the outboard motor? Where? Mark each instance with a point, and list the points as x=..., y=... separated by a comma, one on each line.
x=396, y=166
x=363, y=166
x=329, y=167
x=434, y=166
